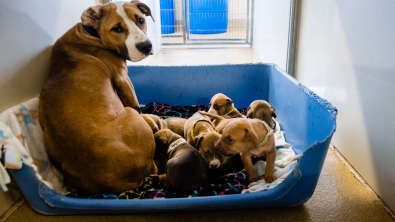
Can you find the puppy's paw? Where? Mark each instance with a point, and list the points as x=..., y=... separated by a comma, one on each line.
x=254, y=179
x=162, y=178
x=270, y=178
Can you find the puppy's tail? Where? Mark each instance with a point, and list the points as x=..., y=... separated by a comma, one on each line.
x=212, y=116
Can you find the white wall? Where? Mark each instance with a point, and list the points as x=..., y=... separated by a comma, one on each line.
x=347, y=55
x=271, y=25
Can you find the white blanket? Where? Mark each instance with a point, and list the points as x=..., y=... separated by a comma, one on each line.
x=20, y=131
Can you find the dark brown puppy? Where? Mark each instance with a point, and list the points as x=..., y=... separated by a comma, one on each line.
x=223, y=106
x=249, y=138
x=199, y=132
x=185, y=168
x=88, y=107
x=260, y=109
x=175, y=124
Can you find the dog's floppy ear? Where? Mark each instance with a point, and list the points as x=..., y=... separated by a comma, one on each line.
x=229, y=101
x=273, y=112
x=144, y=9
x=91, y=16
x=198, y=140
x=250, y=135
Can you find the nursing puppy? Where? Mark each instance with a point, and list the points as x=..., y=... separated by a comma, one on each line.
x=175, y=124
x=249, y=138
x=185, y=167
x=260, y=109
x=199, y=132
x=223, y=106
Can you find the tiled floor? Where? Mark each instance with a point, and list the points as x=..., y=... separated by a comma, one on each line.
x=339, y=196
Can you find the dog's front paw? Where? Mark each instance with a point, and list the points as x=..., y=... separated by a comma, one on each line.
x=270, y=178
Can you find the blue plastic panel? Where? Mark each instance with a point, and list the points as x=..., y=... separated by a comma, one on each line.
x=167, y=16
x=208, y=16
x=308, y=122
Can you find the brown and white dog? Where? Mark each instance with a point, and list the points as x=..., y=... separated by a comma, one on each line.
x=249, y=138
x=88, y=107
x=223, y=106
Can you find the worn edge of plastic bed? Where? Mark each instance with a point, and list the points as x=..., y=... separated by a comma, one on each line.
x=46, y=201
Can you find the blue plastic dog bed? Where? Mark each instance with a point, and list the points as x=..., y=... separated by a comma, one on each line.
x=308, y=121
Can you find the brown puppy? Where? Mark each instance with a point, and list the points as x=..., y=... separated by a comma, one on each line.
x=175, y=124
x=185, y=168
x=260, y=109
x=155, y=122
x=199, y=132
x=249, y=137
x=223, y=106
x=88, y=105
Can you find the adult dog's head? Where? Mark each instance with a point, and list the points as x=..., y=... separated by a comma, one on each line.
x=122, y=27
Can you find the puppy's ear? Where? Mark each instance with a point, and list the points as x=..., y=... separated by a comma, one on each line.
x=250, y=135
x=161, y=143
x=229, y=101
x=91, y=16
x=144, y=9
x=273, y=112
x=198, y=140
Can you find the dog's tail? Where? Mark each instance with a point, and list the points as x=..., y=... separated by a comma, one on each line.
x=212, y=116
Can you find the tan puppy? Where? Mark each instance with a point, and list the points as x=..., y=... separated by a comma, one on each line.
x=175, y=124
x=223, y=106
x=260, y=109
x=249, y=138
x=184, y=166
x=88, y=105
x=155, y=122
x=199, y=132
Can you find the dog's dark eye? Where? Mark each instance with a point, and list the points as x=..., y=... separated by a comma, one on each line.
x=229, y=139
x=216, y=107
x=118, y=29
x=140, y=20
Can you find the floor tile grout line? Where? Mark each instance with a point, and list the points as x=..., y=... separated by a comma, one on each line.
x=361, y=180
x=12, y=209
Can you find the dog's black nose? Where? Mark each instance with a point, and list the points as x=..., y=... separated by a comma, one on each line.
x=144, y=47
